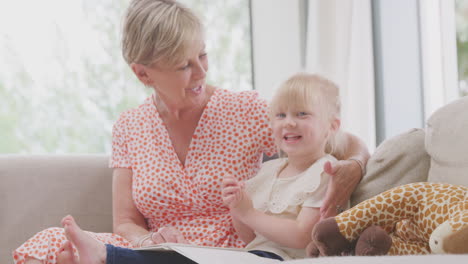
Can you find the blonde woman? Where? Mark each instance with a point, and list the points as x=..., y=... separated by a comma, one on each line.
x=171, y=153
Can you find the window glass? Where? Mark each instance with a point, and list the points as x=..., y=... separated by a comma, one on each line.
x=63, y=81
x=461, y=11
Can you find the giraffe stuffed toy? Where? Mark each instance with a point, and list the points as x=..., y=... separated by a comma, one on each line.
x=410, y=219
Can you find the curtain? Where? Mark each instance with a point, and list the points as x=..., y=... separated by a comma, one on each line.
x=339, y=47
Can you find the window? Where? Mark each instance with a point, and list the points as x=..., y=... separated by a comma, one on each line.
x=63, y=81
x=461, y=14
x=438, y=54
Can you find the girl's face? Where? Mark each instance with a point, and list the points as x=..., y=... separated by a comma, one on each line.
x=301, y=132
x=182, y=85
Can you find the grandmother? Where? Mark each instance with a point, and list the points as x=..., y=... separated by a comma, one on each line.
x=170, y=154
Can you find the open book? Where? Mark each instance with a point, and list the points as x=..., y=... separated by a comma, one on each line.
x=212, y=255
x=216, y=255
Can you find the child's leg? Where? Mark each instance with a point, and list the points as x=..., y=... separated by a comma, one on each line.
x=66, y=254
x=91, y=251
x=118, y=255
x=266, y=254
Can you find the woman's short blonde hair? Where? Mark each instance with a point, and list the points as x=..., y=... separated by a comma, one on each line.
x=303, y=90
x=159, y=30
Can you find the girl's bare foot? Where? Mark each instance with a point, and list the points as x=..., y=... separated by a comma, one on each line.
x=90, y=250
x=65, y=255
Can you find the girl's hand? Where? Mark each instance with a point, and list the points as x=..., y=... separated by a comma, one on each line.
x=232, y=192
x=344, y=177
x=234, y=197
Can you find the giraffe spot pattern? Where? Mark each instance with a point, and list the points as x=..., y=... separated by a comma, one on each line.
x=409, y=213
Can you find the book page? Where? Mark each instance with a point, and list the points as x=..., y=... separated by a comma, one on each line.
x=212, y=255
x=170, y=247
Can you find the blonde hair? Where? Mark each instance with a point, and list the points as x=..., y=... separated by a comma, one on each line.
x=159, y=30
x=301, y=92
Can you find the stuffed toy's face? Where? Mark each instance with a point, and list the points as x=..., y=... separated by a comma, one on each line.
x=444, y=240
x=436, y=241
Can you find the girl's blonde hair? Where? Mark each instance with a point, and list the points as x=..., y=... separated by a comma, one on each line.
x=159, y=30
x=303, y=90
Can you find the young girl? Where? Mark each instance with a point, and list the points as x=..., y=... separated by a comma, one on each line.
x=276, y=211
x=287, y=193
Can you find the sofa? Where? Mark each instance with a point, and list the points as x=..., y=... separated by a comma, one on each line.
x=36, y=191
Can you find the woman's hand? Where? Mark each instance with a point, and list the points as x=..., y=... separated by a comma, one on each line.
x=234, y=197
x=344, y=177
x=168, y=235
x=163, y=235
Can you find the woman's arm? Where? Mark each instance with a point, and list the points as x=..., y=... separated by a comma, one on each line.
x=293, y=233
x=128, y=222
x=344, y=174
x=354, y=148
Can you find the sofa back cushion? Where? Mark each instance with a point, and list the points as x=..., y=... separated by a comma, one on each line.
x=38, y=190
x=447, y=143
x=396, y=161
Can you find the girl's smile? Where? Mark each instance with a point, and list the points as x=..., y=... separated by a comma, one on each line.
x=300, y=133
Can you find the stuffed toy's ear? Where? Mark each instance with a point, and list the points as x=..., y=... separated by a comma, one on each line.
x=445, y=240
x=312, y=251
x=328, y=239
x=373, y=241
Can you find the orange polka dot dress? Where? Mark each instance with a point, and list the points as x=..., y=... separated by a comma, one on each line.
x=230, y=138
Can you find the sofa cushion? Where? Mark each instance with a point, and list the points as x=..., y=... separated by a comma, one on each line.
x=447, y=143
x=396, y=161
x=38, y=190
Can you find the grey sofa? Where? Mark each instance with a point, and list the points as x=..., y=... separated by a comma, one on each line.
x=36, y=191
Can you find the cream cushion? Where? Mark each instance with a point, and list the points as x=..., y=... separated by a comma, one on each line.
x=447, y=143
x=397, y=161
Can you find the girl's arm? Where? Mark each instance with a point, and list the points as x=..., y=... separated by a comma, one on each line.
x=245, y=232
x=232, y=194
x=293, y=233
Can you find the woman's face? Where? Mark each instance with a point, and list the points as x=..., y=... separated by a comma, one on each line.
x=182, y=85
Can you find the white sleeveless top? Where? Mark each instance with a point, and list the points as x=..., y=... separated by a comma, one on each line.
x=285, y=197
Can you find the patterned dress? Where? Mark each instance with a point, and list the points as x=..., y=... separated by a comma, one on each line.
x=229, y=139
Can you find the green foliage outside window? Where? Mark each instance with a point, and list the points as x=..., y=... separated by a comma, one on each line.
x=462, y=44
x=68, y=101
